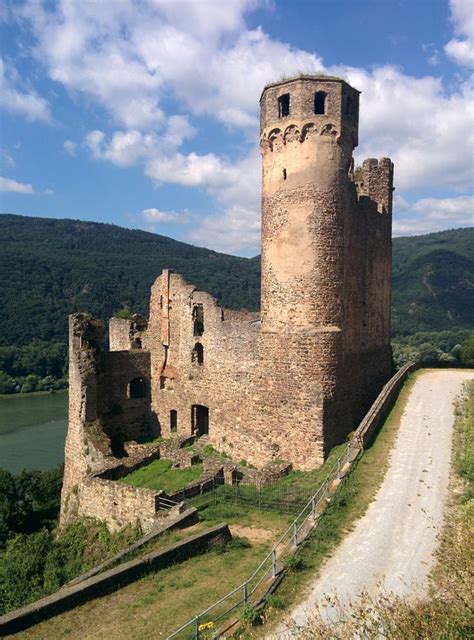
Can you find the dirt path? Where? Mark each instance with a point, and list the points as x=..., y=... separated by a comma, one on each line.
x=392, y=545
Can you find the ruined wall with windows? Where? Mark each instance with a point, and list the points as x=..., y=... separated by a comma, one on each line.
x=288, y=383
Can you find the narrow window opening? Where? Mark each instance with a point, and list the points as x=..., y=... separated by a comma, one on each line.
x=197, y=354
x=173, y=420
x=284, y=174
x=137, y=343
x=320, y=103
x=137, y=388
x=284, y=105
x=198, y=319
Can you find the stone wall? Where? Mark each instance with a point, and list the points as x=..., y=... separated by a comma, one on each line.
x=117, y=504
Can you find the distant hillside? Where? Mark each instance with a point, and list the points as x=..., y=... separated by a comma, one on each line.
x=50, y=268
x=433, y=282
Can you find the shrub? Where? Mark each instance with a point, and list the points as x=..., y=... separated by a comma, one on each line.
x=293, y=563
x=250, y=615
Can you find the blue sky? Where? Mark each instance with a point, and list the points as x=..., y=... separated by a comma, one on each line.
x=144, y=113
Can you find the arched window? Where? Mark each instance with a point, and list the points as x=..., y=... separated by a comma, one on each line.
x=320, y=103
x=197, y=354
x=284, y=105
x=138, y=388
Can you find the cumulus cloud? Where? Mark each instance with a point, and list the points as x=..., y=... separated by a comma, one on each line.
x=27, y=104
x=12, y=186
x=461, y=48
x=156, y=72
x=433, y=214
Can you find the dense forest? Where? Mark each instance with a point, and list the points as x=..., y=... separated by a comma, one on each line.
x=36, y=558
x=50, y=268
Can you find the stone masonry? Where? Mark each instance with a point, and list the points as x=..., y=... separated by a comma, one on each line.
x=285, y=385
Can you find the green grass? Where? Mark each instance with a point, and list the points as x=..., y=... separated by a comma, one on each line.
x=155, y=605
x=159, y=474
x=464, y=443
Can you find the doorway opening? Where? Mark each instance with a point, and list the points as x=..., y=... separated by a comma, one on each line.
x=199, y=420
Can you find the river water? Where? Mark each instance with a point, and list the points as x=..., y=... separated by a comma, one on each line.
x=32, y=431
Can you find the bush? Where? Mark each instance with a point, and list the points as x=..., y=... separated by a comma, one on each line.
x=275, y=602
x=293, y=563
x=250, y=615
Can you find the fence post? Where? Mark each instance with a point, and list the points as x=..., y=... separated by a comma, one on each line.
x=338, y=468
x=196, y=628
x=246, y=592
x=274, y=563
x=295, y=534
x=214, y=489
x=313, y=506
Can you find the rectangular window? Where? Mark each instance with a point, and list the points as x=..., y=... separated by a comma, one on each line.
x=173, y=420
x=284, y=105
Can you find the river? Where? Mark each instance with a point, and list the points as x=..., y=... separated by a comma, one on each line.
x=32, y=431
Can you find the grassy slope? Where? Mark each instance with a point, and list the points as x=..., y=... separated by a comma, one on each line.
x=157, y=604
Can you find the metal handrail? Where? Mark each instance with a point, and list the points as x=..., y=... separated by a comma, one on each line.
x=311, y=506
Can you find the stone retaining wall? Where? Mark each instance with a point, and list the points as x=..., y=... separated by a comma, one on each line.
x=117, y=504
x=372, y=420
x=70, y=597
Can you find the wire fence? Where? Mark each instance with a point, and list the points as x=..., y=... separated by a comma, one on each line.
x=275, y=496
x=256, y=586
x=268, y=569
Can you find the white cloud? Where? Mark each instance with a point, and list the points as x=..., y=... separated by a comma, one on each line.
x=27, y=104
x=461, y=48
x=153, y=217
x=433, y=214
x=201, y=58
x=236, y=231
x=10, y=185
x=70, y=147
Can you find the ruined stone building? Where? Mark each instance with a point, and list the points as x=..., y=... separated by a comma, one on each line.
x=286, y=384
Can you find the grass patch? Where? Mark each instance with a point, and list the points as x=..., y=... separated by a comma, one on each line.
x=160, y=474
x=155, y=605
x=464, y=443
x=244, y=516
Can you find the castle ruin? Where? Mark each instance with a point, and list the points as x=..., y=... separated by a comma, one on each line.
x=286, y=384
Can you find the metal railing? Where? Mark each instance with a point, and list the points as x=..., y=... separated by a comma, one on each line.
x=270, y=566
x=165, y=504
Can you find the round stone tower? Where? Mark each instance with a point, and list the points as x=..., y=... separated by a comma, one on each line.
x=309, y=128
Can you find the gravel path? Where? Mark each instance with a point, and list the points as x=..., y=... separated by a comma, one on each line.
x=392, y=545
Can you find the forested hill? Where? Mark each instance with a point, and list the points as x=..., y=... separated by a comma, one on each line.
x=433, y=282
x=50, y=268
